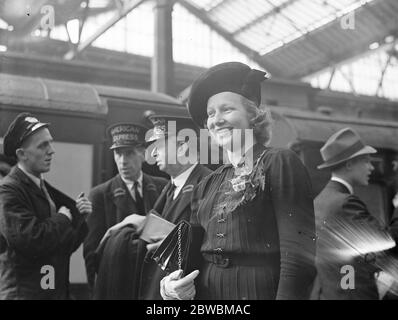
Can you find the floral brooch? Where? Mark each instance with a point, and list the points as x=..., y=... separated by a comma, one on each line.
x=249, y=180
x=243, y=187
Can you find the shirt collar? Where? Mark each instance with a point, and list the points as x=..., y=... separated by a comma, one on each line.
x=343, y=182
x=35, y=179
x=130, y=183
x=180, y=180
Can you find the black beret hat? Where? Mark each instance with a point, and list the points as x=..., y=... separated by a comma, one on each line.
x=163, y=126
x=127, y=135
x=225, y=77
x=23, y=126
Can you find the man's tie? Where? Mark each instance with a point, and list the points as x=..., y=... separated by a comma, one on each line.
x=50, y=201
x=169, y=195
x=138, y=199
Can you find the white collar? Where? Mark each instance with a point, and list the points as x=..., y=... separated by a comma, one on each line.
x=343, y=182
x=130, y=183
x=180, y=180
x=236, y=156
x=35, y=179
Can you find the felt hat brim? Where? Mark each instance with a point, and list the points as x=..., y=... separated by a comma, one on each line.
x=364, y=150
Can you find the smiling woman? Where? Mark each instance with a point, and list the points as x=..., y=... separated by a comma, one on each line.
x=226, y=113
x=240, y=114
x=257, y=212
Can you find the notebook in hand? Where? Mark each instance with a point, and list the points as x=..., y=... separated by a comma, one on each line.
x=155, y=227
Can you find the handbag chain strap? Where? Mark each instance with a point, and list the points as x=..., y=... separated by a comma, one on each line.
x=179, y=247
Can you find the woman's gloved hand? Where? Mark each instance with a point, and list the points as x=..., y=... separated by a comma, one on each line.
x=173, y=287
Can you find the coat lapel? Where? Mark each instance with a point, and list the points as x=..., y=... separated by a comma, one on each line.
x=183, y=200
x=60, y=199
x=160, y=202
x=34, y=190
x=149, y=191
x=19, y=175
x=121, y=198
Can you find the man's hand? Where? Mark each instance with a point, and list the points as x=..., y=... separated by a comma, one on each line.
x=83, y=204
x=66, y=212
x=155, y=242
x=395, y=201
x=395, y=165
x=133, y=219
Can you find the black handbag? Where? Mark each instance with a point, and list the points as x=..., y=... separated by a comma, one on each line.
x=181, y=249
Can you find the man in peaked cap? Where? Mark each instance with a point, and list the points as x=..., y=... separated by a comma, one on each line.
x=40, y=227
x=130, y=194
x=174, y=148
x=134, y=279
x=344, y=224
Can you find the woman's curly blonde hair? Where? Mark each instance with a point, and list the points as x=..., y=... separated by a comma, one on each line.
x=260, y=121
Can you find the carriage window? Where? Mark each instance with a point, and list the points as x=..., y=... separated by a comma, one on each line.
x=72, y=168
x=72, y=173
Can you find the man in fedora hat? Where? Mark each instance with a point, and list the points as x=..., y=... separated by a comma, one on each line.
x=347, y=232
x=131, y=193
x=40, y=227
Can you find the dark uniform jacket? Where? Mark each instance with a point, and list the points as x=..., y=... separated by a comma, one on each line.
x=337, y=211
x=112, y=202
x=31, y=238
x=179, y=209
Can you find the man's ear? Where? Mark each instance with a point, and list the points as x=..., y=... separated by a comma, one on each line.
x=20, y=153
x=349, y=164
x=182, y=148
x=141, y=153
